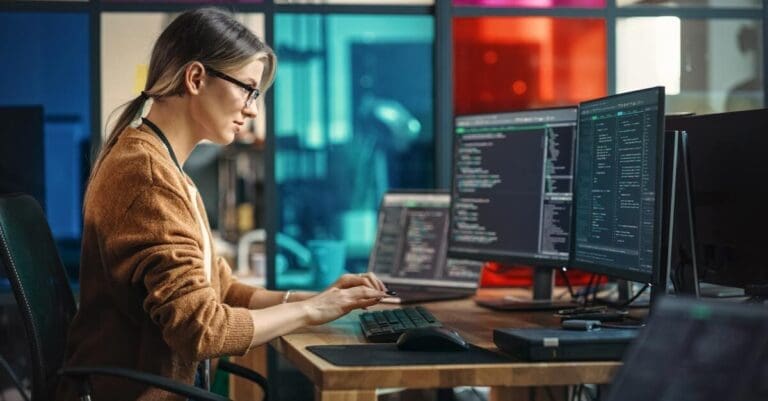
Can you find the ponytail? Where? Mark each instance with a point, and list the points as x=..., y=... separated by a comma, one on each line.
x=132, y=112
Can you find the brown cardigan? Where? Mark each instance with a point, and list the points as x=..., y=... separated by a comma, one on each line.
x=145, y=303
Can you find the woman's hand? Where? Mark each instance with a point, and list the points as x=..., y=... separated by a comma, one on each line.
x=334, y=302
x=353, y=280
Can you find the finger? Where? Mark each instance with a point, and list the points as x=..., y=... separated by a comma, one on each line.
x=379, y=284
x=370, y=283
x=349, y=280
x=371, y=302
x=364, y=292
x=364, y=303
x=362, y=280
x=374, y=281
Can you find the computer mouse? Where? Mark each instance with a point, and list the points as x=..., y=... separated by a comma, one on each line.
x=431, y=339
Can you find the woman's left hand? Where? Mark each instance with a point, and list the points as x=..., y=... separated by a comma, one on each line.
x=353, y=280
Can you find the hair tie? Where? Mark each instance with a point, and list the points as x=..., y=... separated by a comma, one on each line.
x=146, y=104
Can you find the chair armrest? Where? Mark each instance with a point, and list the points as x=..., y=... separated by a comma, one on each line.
x=245, y=373
x=153, y=380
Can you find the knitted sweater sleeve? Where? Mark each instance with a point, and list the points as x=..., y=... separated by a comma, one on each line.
x=156, y=246
x=234, y=292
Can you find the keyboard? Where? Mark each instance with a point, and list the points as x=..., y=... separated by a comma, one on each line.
x=385, y=326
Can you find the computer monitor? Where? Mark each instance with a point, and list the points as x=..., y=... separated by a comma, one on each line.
x=22, y=151
x=409, y=254
x=617, y=208
x=726, y=153
x=22, y=155
x=512, y=185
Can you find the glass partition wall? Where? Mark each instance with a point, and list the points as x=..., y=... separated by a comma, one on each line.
x=361, y=90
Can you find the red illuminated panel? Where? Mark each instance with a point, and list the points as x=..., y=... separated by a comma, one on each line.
x=532, y=3
x=510, y=63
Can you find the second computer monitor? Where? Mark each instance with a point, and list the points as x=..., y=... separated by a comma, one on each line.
x=512, y=183
x=617, y=204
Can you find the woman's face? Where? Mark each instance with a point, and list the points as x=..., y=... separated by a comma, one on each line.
x=221, y=111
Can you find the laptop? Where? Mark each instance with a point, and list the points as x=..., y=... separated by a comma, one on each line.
x=410, y=251
x=697, y=351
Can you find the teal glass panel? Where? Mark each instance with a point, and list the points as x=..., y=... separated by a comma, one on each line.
x=353, y=118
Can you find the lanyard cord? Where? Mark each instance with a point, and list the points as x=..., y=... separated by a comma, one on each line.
x=162, y=137
x=204, y=367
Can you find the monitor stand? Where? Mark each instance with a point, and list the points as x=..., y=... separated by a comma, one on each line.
x=625, y=291
x=679, y=268
x=543, y=282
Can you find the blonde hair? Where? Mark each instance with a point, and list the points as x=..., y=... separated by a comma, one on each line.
x=207, y=35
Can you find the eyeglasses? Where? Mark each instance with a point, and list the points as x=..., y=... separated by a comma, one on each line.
x=253, y=92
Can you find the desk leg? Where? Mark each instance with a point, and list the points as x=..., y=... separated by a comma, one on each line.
x=340, y=395
x=558, y=393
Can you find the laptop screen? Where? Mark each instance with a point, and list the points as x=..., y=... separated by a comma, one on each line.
x=411, y=243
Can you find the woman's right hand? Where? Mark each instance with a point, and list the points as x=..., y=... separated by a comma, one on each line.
x=333, y=303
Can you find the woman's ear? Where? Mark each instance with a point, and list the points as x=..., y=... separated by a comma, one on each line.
x=194, y=76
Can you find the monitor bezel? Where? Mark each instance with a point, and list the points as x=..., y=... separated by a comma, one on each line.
x=505, y=258
x=654, y=277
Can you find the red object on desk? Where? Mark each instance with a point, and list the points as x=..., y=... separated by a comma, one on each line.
x=499, y=275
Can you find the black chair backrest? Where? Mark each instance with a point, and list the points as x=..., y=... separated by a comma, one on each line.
x=40, y=285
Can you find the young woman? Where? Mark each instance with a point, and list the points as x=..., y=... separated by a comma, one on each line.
x=154, y=297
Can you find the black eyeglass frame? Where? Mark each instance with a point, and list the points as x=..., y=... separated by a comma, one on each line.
x=253, y=92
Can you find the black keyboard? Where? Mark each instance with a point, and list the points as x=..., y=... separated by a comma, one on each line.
x=385, y=326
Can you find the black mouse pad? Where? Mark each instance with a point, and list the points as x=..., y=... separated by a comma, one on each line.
x=389, y=355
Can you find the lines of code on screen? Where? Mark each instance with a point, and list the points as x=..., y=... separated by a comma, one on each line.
x=616, y=177
x=512, y=185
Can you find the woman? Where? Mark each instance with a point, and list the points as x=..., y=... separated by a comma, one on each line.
x=154, y=297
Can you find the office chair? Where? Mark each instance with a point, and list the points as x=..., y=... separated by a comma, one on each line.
x=47, y=306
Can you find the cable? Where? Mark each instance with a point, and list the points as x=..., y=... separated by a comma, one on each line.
x=589, y=287
x=634, y=297
x=549, y=393
x=585, y=291
x=587, y=390
x=567, y=282
x=477, y=394
x=576, y=395
x=596, y=289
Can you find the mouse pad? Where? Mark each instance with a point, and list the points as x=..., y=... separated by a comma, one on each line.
x=389, y=355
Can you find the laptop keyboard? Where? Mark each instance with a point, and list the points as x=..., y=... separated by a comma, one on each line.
x=385, y=326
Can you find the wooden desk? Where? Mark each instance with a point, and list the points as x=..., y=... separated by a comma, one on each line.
x=475, y=324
